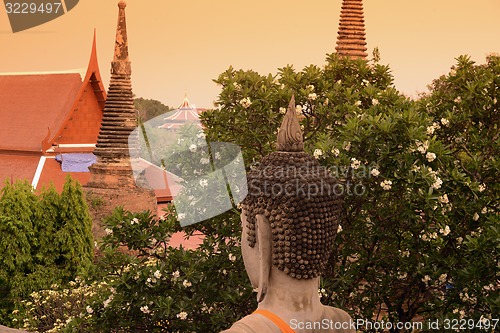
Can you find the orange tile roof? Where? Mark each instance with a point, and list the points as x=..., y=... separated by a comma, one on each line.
x=166, y=185
x=52, y=173
x=17, y=167
x=30, y=105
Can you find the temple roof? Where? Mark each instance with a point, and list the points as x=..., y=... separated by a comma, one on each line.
x=30, y=105
x=351, y=41
x=34, y=107
x=186, y=104
x=185, y=113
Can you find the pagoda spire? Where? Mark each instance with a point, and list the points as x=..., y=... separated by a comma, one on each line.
x=351, y=41
x=115, y=143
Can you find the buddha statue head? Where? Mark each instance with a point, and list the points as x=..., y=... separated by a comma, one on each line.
x=290, y=215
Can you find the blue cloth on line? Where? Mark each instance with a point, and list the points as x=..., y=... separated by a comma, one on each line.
x=74, y=162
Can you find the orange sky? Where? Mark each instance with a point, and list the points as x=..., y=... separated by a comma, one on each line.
x=180, y=46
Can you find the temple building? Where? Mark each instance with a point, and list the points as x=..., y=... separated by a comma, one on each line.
x=51, y=122
x=351, y=41
x=185, y=113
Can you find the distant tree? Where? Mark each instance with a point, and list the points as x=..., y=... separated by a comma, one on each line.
x=150, y=108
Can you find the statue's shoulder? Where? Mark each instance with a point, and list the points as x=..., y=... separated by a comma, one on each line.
x=341, y=319
x=252, y=324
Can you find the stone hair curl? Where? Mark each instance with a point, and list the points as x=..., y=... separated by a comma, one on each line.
x=297, y=196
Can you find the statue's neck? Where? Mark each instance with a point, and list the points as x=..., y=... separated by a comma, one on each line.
x=290, y=298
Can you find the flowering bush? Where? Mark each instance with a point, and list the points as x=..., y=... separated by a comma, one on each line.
x=414, y=217
x=419, y=237
x=141, y=284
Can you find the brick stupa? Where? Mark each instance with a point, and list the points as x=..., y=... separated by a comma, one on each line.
x=351, y=41
x=112, y=176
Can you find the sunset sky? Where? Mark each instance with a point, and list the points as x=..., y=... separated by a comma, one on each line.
x=178, y=47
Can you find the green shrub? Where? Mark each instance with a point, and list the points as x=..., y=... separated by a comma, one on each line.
x=45, y=239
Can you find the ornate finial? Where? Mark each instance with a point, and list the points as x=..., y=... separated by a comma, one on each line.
x=290, y=134
x=121, y=63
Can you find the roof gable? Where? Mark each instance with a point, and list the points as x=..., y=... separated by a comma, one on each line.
x=33, y=105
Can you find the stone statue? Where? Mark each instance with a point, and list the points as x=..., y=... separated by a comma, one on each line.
x=289, y=222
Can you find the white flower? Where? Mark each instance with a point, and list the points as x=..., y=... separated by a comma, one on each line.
x=232, y=257
x=458, y=99
x=203, y=183
x=89, y=309
x=237, y=86
x=312, y=96
x=374, y=101
x=476, y=216
x=443, y=199
x=358, y=103
x=339, y=229
x=335, y=152
x=310, y=87
x=145, y=309
x=186, y=284
x=182, y=315
x=201, y=135
x=107, y=301
x=422, y=146
x=282, y=110
x=135, y=220
x=181, y=216
x=298, y=109
x=193, y=148
x=443, y=277
x=108, y=231
x=347, y=146
x=246, y=102
x=437, y=183
x=426, y=279
x=355, y=163
x=157, y=274
x=446, y=231
x=430, y=156
x=204, y=160
x=176, y=274
x=430, y=130
x=484, y=210
x=386, y=185
x=317, y=153
x=482, y=187
x=445, y=121
x=375, y=172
